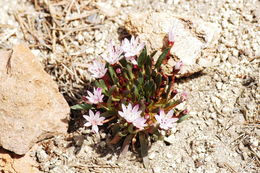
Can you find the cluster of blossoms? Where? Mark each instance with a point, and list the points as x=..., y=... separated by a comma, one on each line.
x=132, y=94
x=130, y=49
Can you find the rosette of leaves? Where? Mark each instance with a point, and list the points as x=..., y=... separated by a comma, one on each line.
x=144, y=84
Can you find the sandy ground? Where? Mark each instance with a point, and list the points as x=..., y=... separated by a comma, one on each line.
x=223, y=132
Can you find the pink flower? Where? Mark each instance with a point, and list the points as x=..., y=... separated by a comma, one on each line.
x=165, y=120
x=96, y=96
x=132, y=48
x=98, y=69
x=184, y=96
x=94, y=120
x=115, y=53
x=140, y=123
x=132, y=115
x=178, y=65
x=171, y=35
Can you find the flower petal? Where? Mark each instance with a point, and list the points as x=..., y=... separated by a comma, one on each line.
x=86, y=117
x=87, y=124
x=95, y=128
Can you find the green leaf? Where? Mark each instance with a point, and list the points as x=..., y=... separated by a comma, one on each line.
x=142, y=105
x=161, y=58
x=108, y=113
x=148, y=61
x=147, y=71
x=140, y=78
x=122, y=134
x=83, y=106
x=144, y=149
x=149, y=88
x=125, y=73
x=183, y=118
x=136, y=92
x=153, y=53
x=158, y=80
x=142, y=58
x=129, y=69
x=116, y=99
x=171, y=104
x=101, y=84
x=123, y=62
x=111, y=90
x=168, y=91
x=113, y=74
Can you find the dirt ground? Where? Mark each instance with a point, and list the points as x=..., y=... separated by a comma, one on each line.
x=223, y=131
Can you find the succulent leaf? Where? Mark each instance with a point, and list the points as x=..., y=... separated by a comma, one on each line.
x=158, y=80
x=101, y=84
x=183, y=118
x=113, y=74
x=161, y=58
x=111, y=90
x=130, y=72
x=83, y=106
x=142, y=58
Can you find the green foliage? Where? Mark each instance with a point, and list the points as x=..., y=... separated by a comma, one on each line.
x=161, y=58
x=144, y=84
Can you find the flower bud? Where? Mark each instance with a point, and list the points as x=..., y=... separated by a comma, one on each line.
x=118, y=71
x=185, y=111
x=84, y=99
x=170, y=43
x=178, y=65
x=184, y=96
x=135, y=66
x=146, y=116
x=175, y=91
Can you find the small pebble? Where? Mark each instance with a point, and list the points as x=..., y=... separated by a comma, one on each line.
x=169, y=155
x=219, y=85
x=157, y=169
x=152, y=156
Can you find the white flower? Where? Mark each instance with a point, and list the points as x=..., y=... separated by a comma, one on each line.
x=132, y=115
x=98, y=69
x=132, y=48
x=96, y=96
x=94, y=120
x=165, y=120
x=114, y=54
x=140, y=123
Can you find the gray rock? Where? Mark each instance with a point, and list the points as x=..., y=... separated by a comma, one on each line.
x=192, y=35
x=170, y=139
x=41, y=155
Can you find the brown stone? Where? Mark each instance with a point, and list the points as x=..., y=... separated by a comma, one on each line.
x=31, y=106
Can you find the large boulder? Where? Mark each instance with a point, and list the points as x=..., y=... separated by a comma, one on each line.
x=193, y=36
x=31, y=106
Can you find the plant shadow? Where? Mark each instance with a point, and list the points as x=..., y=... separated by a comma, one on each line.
x=101, y=147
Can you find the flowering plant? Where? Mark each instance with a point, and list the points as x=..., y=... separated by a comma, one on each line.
x=133, y=96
